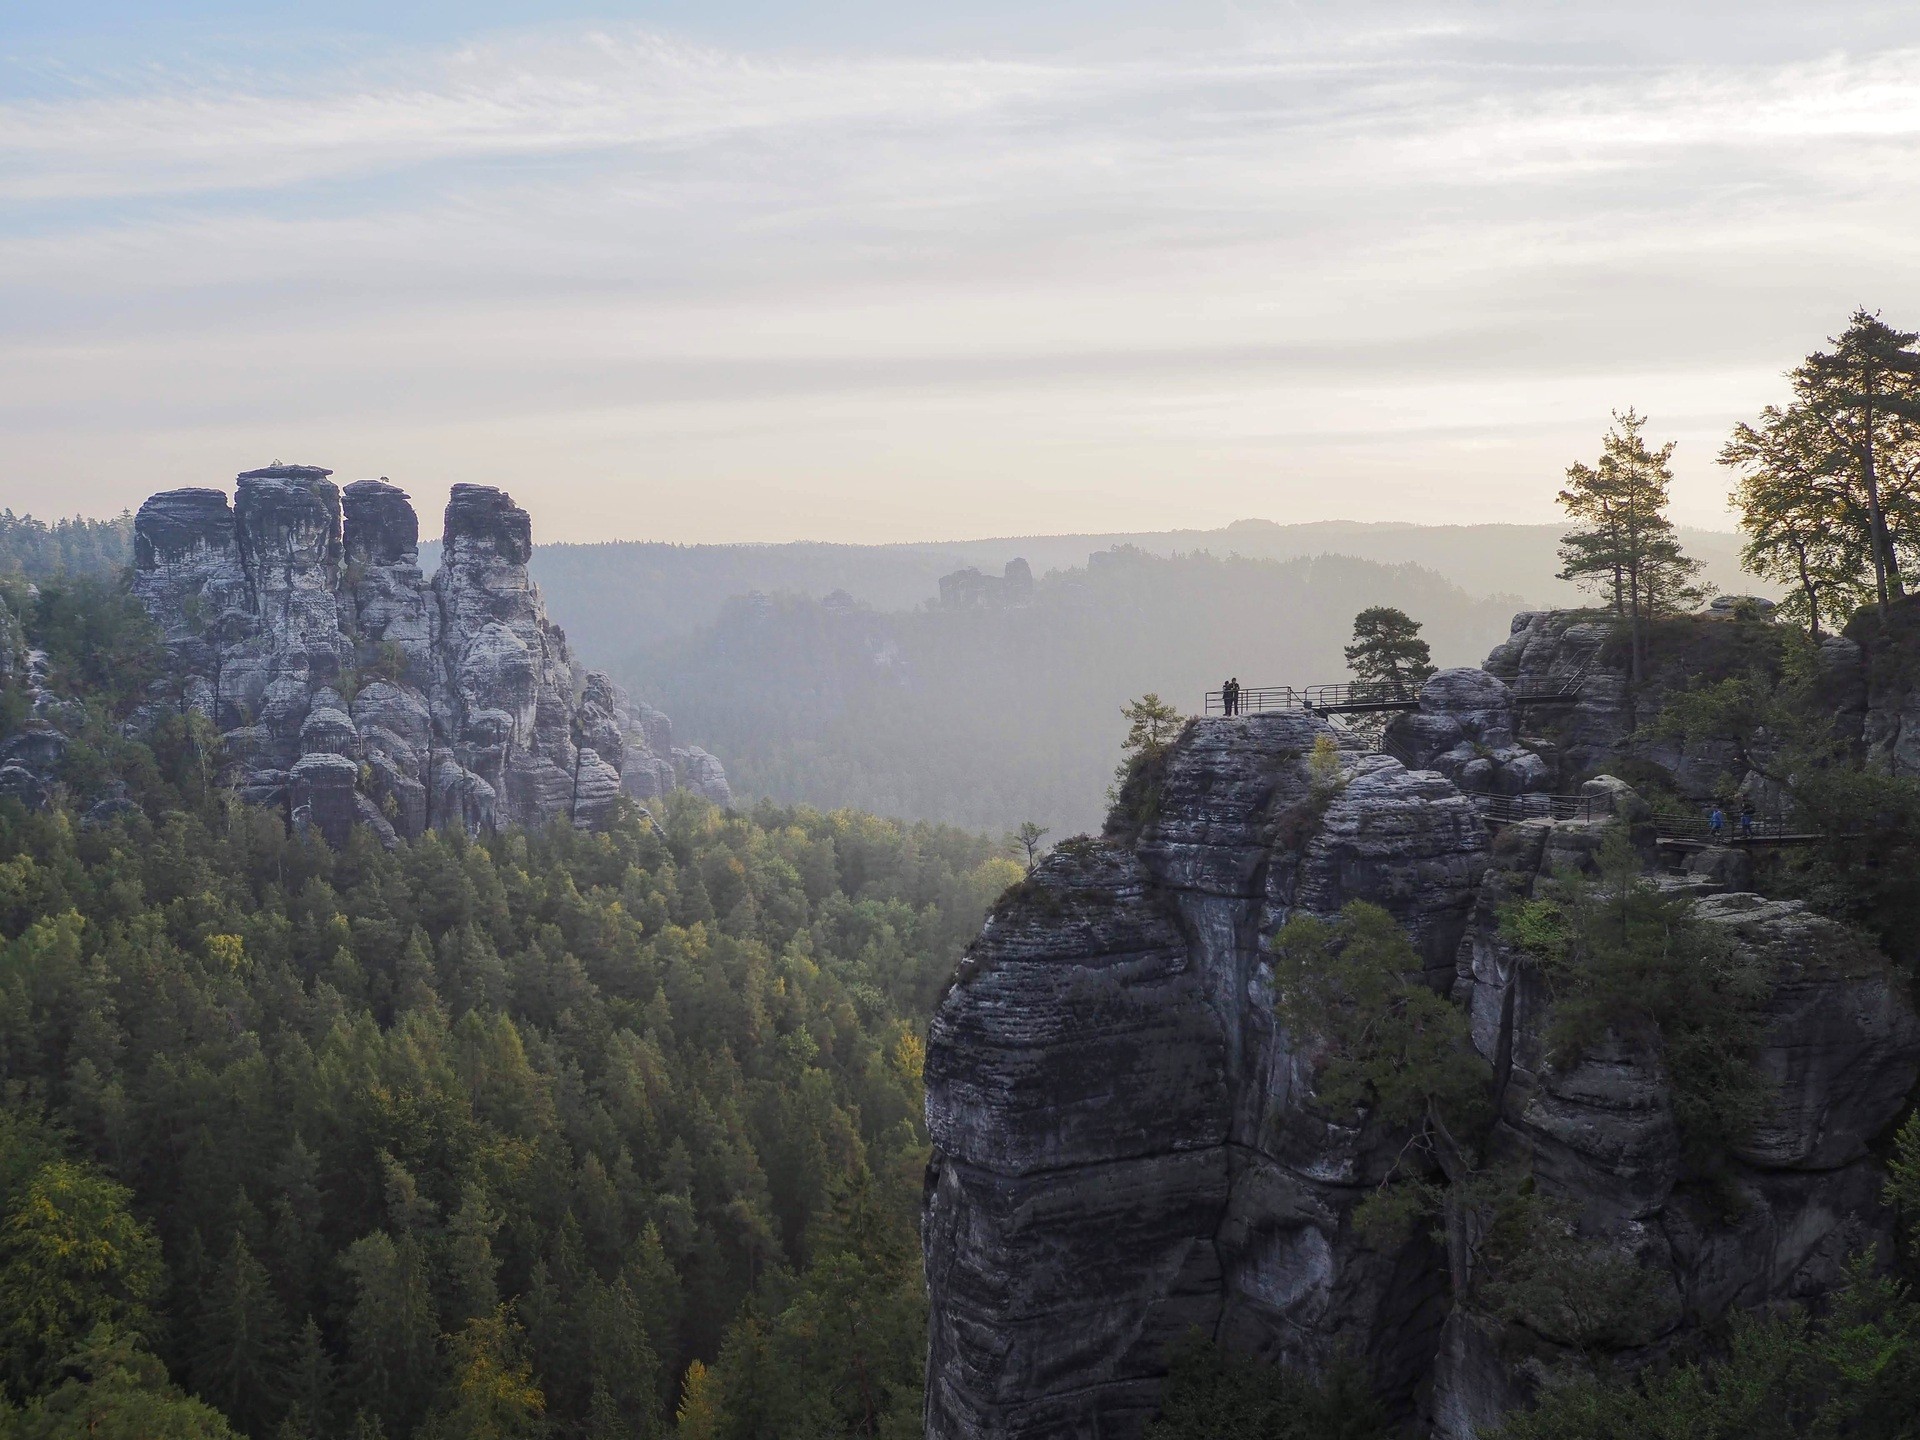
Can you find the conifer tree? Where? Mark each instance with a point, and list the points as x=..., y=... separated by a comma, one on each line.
x=242, y=1360
x=1805, y=524
x=1623, y=544
x=1387, y=650
x=392, y=1331
x=1865, y=392
x=1844, y=455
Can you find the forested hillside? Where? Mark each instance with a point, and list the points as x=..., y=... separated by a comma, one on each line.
x=670, y=591
x=990, y=717
x=35, y=550
x=545, y=1134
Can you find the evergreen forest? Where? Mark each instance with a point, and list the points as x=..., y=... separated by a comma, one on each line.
x=555, y=1134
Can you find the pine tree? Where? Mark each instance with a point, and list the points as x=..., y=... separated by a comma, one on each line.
x=393, y=1359
x=1387, y=650
x=1865, y=394
x=1624, y=544
x=1805, y=524
x=310, y=1386
x=1830, y=489
x=242, y=1360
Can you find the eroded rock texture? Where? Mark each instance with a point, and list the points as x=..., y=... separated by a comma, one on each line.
x=1124, y=1146
x=350, y=689
x=1798, y=1195
x=1127, y=1146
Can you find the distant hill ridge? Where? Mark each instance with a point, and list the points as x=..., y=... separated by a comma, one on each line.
x=672, y=590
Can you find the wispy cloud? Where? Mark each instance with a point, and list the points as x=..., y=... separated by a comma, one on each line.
x=657, y=257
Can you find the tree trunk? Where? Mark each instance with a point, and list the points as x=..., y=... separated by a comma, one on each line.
x=1886, y=569
x=1813, y=599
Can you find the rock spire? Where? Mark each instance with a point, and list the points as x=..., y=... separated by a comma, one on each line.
x=353, y=690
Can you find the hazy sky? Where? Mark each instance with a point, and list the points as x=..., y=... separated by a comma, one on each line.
x=736, y=270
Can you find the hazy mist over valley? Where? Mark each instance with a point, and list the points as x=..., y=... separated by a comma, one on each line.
x=1364, y=884
x=991, y=717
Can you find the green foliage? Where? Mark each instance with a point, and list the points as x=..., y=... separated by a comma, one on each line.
x=35, y=550
x=1903, y=1181
x=1350, y=991
x=1152, y=725
x=1025, y=842
x=1623, y=545
x=99, y=640
x=840, y=1349
x=1854, y=1371
x=620, y=1082
x=1350, y=987
x=1830, y=487
x=1387, y=649
x=491, y=1394
x=1213, y=1395
x=71, y=1259
x=243, y=1354
x=114, y=1389
x=1534, y=1268
x=1622, y=960
x=1804, y=527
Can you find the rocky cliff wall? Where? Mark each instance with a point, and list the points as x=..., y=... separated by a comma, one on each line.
x=1124, y=1144
x=1127, y=1145
x=352, y=690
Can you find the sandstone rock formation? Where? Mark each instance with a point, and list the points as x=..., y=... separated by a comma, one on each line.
x=968, y=589
x=351, y=690
x=1466, y=728
x=1127, y=1145
x=1796, y=1197
x=1123, y=1147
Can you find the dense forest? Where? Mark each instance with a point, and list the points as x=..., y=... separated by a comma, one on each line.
x=34, y=550
x=543, y=1134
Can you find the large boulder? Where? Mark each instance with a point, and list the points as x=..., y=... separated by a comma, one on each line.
x=1465, y=729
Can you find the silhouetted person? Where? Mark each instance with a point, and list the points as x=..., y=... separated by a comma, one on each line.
x=1233, y=706
x=1746, y=820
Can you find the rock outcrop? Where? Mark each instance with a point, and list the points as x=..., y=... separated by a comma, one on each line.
x=969, y=589
x=1795, y=1197
x=1609, y=722
x=1466, y=729
x=352, y=690
x=1127, y=1145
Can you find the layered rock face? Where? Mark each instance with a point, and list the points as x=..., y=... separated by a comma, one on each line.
x=349, y=688
x=1608, y=723
x=1124, y=1146
x=1797, y=1196
x=1127, y=1145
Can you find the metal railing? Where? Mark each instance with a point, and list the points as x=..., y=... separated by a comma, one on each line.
x=1769, y=826
x=1249, y=700
x=1513, y=809
x=1548, y=689
x=1361, y=695
x=1391, y=746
